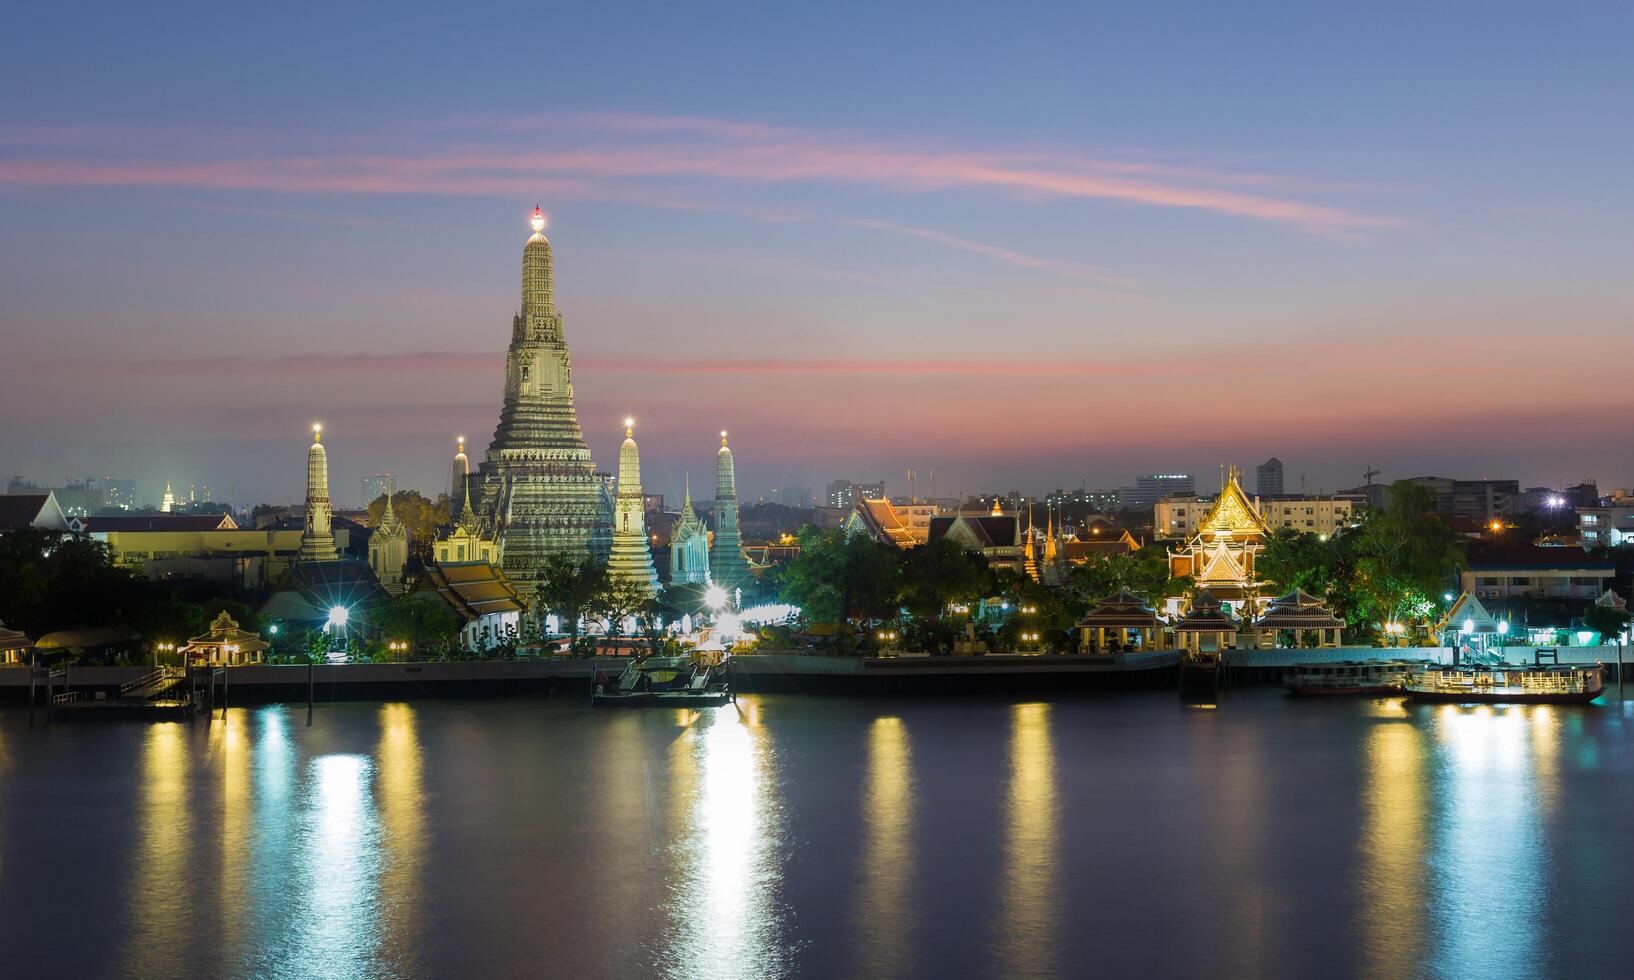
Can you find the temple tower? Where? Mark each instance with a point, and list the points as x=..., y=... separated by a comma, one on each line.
x=688, y=545
x=389, y=549
x=538, y=491
x=727, y=566
x=631, y=559
x=317, y=538
x=456, y=484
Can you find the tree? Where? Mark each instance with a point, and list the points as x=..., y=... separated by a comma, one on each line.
x=1301, y=560
x=571, y=590
x=421, y=517
x=419, y=617
x=935, y=576
x=1610, y=622
x=1403, y=556
x=837, y=577
x=622, y=599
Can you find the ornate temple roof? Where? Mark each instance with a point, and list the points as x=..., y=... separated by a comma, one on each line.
x=1232, y=514
x=1206, y=615
x=1297, y=610
x=224, y=631
x=1467, y=609
x=474, y=589
x=1126, y=610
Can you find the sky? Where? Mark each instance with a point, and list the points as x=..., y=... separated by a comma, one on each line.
x=1021, y=246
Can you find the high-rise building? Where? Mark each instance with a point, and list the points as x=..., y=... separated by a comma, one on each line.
x=727, y=566
x=377, y=486
x=631, y=559
x=1152, y=487
x=844, y=493
x=1268, y=478
x=317, y=537
x=167, y=503
x=791, y=496
x=119, y=493
x=540, y=493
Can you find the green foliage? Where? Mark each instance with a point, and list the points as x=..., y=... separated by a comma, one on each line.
x=420, y=516
x=51, y=580
x=420, y=618
x=1401, y=557
x=1608, y=621
x=1300, y=560
x=838, y=576
x=572, y=590
x=939, y=574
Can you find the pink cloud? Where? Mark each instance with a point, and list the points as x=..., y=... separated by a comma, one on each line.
x=597, y=155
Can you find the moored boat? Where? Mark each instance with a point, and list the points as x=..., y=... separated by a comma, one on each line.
x=1355, y=678
x=673, y=682
x=1506, y=684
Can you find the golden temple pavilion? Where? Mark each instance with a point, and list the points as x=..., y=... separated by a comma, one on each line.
x=1220, y=556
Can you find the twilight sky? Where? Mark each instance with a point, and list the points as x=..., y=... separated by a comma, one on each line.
x=1022, y=246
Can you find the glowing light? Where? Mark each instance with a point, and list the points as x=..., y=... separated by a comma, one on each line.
x=1468, y=627
x=1496, y=525
x=1503, y=627
x=338, y=615
x=1583, y=637
x=715, y=597
x=629, y=423
x=537, y=220
x=771, y=612
x=1446, y=597
x=273, y=629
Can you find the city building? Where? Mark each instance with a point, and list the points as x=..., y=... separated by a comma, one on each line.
x=175, y=547
x=1092, y=501
x=1505, y=570
x=377, y=486
x=317, y=539
x=1605, y=527
x=727, y=566
x=77, y=498
x=1268, y=478
x=1477, y=500
x=119, y=494
x=791, y=496
x=389, y=549
x=1152, y=487
x=540, y=494
x=843, y=494
x=688, y=545
x=630, y=560
x=1180, y=515
x=167, y=503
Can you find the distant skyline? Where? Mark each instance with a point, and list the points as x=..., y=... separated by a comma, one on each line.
x=1024, y=251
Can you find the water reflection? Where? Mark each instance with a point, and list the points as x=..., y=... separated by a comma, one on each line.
x=232, y=741
x=882, y=916
x=402, y=815
x=161, y=881
x=1028, y=927
x=335, y=932
x=1391, y=878
x=725, y=920
x=1488, y=848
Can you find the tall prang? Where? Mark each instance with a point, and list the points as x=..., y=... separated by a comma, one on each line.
x=727, y=566
x=389, y=550
x=539, y=492
x=631, y=559
x=456, y=484
x=317, y=537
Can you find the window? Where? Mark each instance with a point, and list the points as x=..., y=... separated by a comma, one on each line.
x=1488, y=581
x=1520, y=581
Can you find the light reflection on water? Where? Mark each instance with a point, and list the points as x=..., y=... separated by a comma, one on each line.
x=871, y=838
x=1028, y=924
x=886, y=858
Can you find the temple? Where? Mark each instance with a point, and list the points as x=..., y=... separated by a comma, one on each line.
x=688, y=546
x=631, y=559
x=727, y=566
x=1219, y=557
x=539, y=492
x=389, y=550
x=317, y=537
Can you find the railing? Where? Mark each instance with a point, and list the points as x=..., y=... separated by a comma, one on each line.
x=66, y=697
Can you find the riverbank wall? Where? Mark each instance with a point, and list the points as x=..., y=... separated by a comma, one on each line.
x=767, y=672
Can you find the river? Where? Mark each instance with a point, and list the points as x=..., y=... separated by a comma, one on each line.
x=1113, y=835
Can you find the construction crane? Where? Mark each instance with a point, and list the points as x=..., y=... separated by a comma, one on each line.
x=1369, y=474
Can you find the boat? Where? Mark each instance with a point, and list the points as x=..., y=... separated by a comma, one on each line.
x=1355, y=678
x=1506, y=684
x=667, y=682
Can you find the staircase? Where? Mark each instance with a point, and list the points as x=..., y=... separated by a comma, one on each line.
x=154, y=685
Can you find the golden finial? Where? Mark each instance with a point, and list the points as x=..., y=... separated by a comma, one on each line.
x=317, y=433
x=537, y=219
x=723, y=437
x=629, y=428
